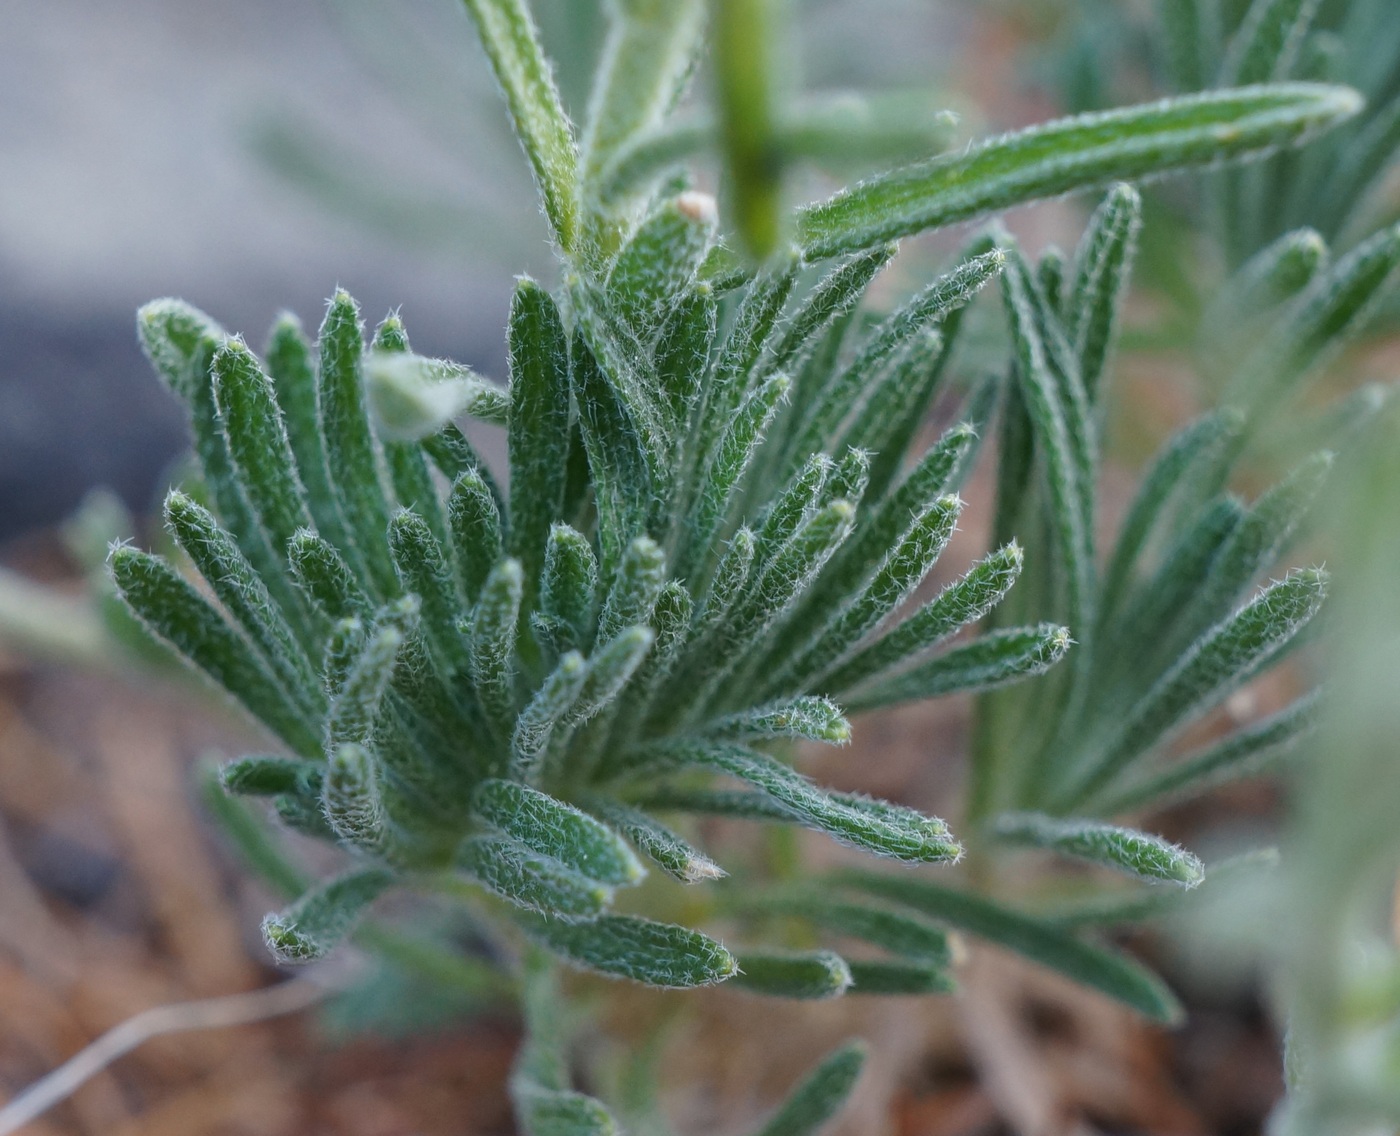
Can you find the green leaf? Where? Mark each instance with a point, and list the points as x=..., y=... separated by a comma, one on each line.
x=552, y=828
x=932, y=477
x=549, y=706
x=172, y=334
x=1267, y=42
x=682, y=351
x=894, y=930
x=491, y=647
x=722, y=802
x=560, y=1112
x=646, y=61
x=532, y=880
x=820, y=1095
x=727, y=584
x=356, y=708
x=312, y=926
x=412, y=396
x=811, y=974
x=539, y=424
x=569, y=587
x=1223, y=659
x=993, y=660
x=454, y=455
x=669, y=852
x=894, y=581
x=249, y=833
x=1059, y=415
x=1273, y=275
x=256, y=437
x=242, y=592
x=619, y=460
x=1106, y=971
x=886, y=830
x=1193, y=446
x=512, y=45
x=324, y=577
x=1253, y=546
x=173, y=611
x=635, y=587
x=897, y=977
x=936, y=302
x=724, y=476
x=423, y=571
x=807, y=716
x=737, y=366
x=1101, y=275
x=1245, y=753
x=1070, y=154
x=662, y=258
x=963, y=602
x=259, y=776
x=624, y=946
x=1189, y=28
x=1123, y=849
x=474, y=520
x=610, y=667
x=1330, y=311
x=350, y=796
x=351, y=455
x=836, y=294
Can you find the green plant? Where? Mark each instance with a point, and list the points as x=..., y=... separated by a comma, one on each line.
x=709, y=537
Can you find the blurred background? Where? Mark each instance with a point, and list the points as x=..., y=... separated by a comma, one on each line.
x=250, y=158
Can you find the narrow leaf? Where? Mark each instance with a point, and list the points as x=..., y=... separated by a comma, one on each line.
x=531, y=880
x=673, y=855
x=553, y=828
x=1245, y=753
x=624, y=946
x=959, y=604
x=1267, y=42
x=241, y=590
x=567, y=592
x=1220, y=662
x=324, y=577
x=512, y=45
x=1101, y=276
x=312, y=926
x=491, y=649
x=474, y=519
x=539, y=424
x=173, y=611
x=423, y=571
x=820, y=1095
x=1069, y=154
x=993, y=660
x=1106, y=971
x=351, y=456
x=1123, y=849
x=259, y=776
x=811, y=717
x=886, y=830
x=549, y=706
x=257, y=441
x=813, y=974
x=350, y=796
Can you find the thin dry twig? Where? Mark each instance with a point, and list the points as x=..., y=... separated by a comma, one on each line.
x=179, y=1017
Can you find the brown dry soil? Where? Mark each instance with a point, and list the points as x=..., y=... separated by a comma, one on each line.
x=116, y=896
